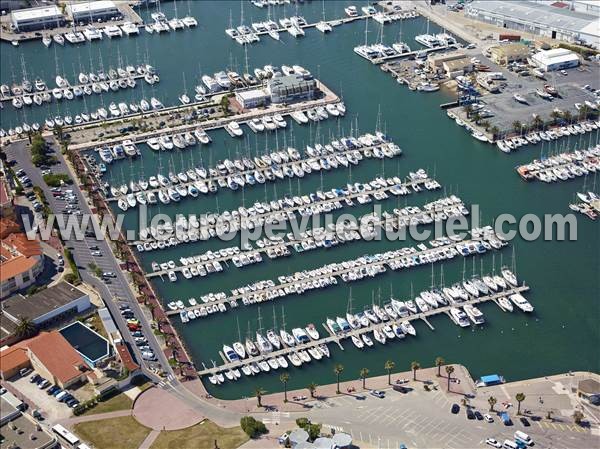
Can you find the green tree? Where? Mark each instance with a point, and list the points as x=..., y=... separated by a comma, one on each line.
x=389, y=366
x=567, y=116
x=495, y=131
x=578, y=416
x=25, y=328
x=258, y=393
x=555, y=116
x=338, y=369
x=449, y=371
x=312, y=388
x=252, y=427
x=414, y=366
x=439, y=362
x=517, y=126
x=364, y=373
x=284, y=378
x=537, y=122
x=520, y=397
x=492, y=401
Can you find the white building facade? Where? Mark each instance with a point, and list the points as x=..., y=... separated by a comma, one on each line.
x=33, y=19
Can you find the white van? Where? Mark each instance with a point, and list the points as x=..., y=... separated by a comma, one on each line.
x=509, y=445
x=523, y=437
x=61, y=395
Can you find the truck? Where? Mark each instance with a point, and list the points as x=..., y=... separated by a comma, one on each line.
x=505, y=418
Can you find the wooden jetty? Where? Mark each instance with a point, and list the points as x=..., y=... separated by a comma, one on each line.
x=337, y=338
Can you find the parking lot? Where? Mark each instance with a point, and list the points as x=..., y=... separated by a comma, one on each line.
x=424, y=419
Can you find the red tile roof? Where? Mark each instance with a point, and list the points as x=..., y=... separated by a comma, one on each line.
x=126, y=358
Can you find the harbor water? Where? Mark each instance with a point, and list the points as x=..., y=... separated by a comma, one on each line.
x=564, y=277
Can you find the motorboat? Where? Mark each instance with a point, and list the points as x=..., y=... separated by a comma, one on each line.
x=519, y=301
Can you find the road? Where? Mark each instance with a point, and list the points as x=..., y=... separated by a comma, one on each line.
x=117, y=291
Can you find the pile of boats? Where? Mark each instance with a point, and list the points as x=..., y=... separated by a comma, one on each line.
x=440, y=40
x=588, y=204
x=120, y=151
x=163, y=24
x=443, y=248
x=509, y=144
x=562, y=166
x=247, y=172
x=227, y=79
x=374, y=52
x=278, y=211
x=38, y=93
x=167, y=142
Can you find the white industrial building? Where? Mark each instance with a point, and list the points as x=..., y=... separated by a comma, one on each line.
x=556, y=20
x=93, y=11
x=555, y=59
x=33, y=19
x=251, y=98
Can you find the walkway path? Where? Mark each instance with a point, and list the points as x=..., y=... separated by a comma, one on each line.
x=157, y=409
x=96, y=417
x=149, y=441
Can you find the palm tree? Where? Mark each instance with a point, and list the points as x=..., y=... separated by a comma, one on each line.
x=492, y=401
x=338, y=369
x=538, y=122
x=258, y=393
x=389, y=366
x=449, y=371
x=284, y=378
x=414, y=366
x=25, y=328
x=567, y=116
x=578, y=416
x=517, y=126
x=495, y=131
x=520, y=397
x=439, y=362
x=364, y=372
x=555, y=116
x=312, y=388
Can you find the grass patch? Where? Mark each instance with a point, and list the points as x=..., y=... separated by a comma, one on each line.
x=113, y=433
x=119, y=402
x=201, y=436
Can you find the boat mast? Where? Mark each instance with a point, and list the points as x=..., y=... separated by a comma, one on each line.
x=238, y=328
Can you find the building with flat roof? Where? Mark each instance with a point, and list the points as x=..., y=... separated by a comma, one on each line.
x=92, y=346
x=21, y=262
x=252, y=98
x=44, y=308
x=291, y=88
x=508, y=53
x=96, y=11
x=549, y=20
x=589, y=389
x=19, y=430
x=33, y=19
x=457, y=67
x=556, y=59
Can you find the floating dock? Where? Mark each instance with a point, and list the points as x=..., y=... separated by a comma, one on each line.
x=337, y=338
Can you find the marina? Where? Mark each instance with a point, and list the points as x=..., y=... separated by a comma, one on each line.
x=236, y=174
x=312, y=282
x=394, y=325
x=275, y=212
x=562, y=167
x=363, y=267
x=275, y=247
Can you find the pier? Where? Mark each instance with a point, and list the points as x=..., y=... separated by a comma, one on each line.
x=290, y=242
x=323, y=204
x=371, y=264
x=378, y=61
x=337, y=338
x=284, y=110
x=223, y=178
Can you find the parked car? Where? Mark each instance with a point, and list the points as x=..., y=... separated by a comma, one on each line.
x=34, y=378
x=470, y=414
x=524, y=421
x=377, y=393
x=492, y=442
x=478, y=415
x=24, y=371
x=43, y=384
x=488, y=417
x=455, y=409
x=50, y=391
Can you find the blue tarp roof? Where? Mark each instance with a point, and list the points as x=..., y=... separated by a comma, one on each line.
x=491, y=379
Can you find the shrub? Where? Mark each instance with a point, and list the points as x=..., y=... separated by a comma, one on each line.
x=56, y=180
x=252, y=427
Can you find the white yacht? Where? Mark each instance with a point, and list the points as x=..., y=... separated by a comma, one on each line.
x=234, y=130
x=474, y=314
x=460, y=317
x=521, y=302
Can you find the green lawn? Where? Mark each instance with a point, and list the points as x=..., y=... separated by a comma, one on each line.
x=114, y=433
x=118, y=402
x=201, y=436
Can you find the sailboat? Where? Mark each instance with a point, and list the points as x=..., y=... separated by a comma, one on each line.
x=238, y=347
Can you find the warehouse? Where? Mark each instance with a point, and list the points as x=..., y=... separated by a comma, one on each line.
x=506, y=54
x=33, y=19
x=555, y=59
x=541, y=19
x=286, y=89
x=98, y=11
